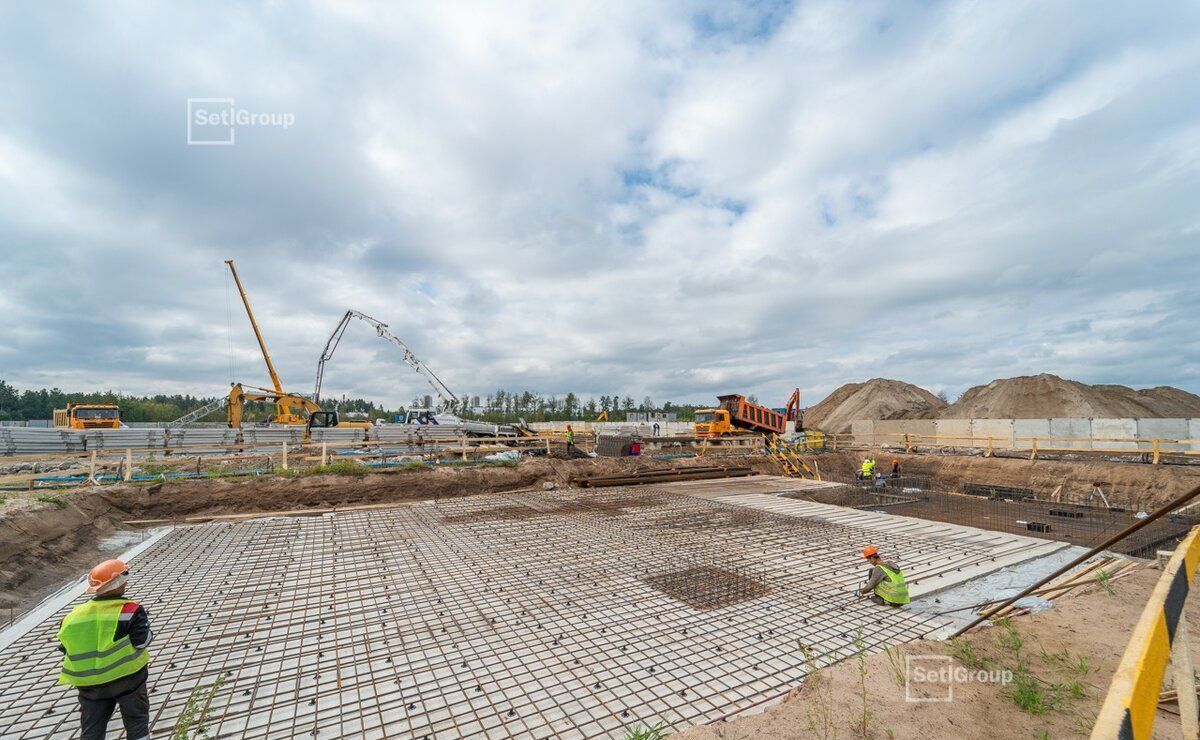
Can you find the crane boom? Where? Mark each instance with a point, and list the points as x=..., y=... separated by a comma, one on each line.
x=443, y=393
x=257, y=334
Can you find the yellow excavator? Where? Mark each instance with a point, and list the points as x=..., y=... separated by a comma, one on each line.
x=290, y=408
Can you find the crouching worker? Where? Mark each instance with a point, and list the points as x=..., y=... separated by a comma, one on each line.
x=104, y=655
x=885, y=583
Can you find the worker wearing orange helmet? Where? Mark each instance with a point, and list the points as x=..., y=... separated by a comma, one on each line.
x=570, y=440
x=104, y=641
x=885, y=583
x=895, y=468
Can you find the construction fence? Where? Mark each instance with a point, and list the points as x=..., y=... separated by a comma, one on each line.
x=33, y=441
x=1029, y=435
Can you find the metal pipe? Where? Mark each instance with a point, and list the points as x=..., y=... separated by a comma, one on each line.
x=1163, y=511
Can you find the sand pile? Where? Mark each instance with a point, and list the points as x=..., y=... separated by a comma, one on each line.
x=1049, y=396
x=875, y=399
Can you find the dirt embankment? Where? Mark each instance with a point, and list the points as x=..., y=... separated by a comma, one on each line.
x=1072, y=651
x=875, y=399
x=1125, y=484
x=44, y=544
x=1048, y=396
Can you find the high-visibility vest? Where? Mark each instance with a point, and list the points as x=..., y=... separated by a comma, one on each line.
x=893, y=589
x=571, y=436
x=92, y=655
x=868, y=468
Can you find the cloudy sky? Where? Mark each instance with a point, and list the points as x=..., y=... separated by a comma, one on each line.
x=672, y=199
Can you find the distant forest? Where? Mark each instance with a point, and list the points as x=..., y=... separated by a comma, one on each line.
x=500, y=406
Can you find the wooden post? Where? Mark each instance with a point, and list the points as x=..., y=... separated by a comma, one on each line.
x=92, y=469
x=907, y=443
x=283, y=455
x=128, y=465
x=324, y=454
x=989, y=452
x=1155, y=462
x=1033, y=450
x=547, y=446
x=462, y=441
x=1185, y=680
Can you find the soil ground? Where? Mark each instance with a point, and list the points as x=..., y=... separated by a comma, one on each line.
x=1076, y=645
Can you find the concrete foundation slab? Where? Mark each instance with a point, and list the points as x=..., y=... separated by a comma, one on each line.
x=561, y=613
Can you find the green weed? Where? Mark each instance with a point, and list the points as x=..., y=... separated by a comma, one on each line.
x=1029, y=695
x=657, y=731
x=895, y=658
x=339, y=467
x=48, y=499
x=1104, y=581
x=190, y=723
x=861, y=721
x=965, y=653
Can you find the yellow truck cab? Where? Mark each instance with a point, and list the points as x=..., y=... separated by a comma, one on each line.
x=88, y=416
x=713, y=423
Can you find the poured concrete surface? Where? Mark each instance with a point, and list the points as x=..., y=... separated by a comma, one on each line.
x=513, y=615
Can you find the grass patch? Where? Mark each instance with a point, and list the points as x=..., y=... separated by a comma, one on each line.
x=895, y=658
x=965, y=653
x=657, y=731
x=338, y=467
x=48, y=499
x=1030, y=695
x=1104, y=581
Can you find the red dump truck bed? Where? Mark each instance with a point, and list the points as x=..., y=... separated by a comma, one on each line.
x=748, y=415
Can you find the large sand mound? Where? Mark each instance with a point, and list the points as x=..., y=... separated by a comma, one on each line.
x=1049, y=396
x=875, y=399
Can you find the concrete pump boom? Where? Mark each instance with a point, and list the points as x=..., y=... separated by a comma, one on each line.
x=447, y=398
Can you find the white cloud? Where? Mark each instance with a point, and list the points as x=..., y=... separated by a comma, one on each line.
x=674, y=200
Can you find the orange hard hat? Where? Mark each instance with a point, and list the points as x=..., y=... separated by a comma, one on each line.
x=894, y=461
x=105, y=574
x=869, y=552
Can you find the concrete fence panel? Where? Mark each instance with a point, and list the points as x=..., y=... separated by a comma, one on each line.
x=1194, y=433
x=955, y=431
x=1105, y=429
x=1149, y=429
x=1073, y=433
x=891, y=431
x=862, y=430
x=1000, y=430
x=1026, y=429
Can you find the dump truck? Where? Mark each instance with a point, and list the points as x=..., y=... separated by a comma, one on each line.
x=88, y=416
x=736, y=415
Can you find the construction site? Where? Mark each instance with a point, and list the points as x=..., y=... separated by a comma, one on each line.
x=312, y=575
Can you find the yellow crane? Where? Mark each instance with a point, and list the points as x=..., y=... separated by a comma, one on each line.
x=286, y=404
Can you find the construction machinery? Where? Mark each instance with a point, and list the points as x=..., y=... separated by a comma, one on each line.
x=290, y=408
x=446, y=398
x=88, y=416
x=603, y=416
x=736, y=415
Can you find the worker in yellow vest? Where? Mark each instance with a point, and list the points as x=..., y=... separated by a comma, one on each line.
x=885, y=583
x=570, y=440
x=867, y=471
x=104, y=643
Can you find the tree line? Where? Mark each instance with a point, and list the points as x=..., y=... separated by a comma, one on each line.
x=498, y=407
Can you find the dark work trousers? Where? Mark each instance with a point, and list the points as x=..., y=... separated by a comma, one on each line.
x=96, y=705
